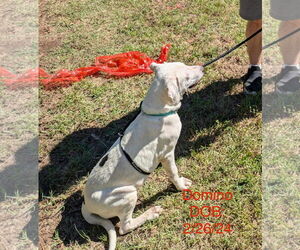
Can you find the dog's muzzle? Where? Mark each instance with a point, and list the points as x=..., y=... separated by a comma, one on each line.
x=201, y=73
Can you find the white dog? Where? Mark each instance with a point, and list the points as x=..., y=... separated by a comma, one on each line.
x=111, y=188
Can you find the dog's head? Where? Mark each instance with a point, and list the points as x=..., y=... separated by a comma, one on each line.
x=176, y=78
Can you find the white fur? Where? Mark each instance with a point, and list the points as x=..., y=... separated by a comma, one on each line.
x=111, y=189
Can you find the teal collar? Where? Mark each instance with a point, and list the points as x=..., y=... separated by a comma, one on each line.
x=163, y=114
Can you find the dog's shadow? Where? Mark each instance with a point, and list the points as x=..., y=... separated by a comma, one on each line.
x=76, y=155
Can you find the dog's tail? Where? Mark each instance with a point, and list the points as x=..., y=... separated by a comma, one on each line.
x=107, y=224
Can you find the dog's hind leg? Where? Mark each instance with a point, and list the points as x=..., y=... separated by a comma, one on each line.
x=128, y=224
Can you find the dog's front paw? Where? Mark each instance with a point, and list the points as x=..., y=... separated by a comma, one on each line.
x=153, y=212
x=183, y=183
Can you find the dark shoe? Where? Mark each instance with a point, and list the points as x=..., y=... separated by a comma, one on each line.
x=253, y=81
x=288, y=81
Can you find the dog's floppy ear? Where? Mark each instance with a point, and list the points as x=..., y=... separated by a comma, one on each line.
x=154, y=66
x=173, y=91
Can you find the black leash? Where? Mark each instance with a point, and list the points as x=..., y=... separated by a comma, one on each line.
x=232, y=49
x=246, y=40
x=281, y=39
x=136, y=167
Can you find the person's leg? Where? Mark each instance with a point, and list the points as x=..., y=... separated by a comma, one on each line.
x=254, y=46
x=290, y=47
x=251, y=10
x=253, y=78
x=288, y=81
x=289, y=78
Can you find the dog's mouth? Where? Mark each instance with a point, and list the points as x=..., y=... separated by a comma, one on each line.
x=192, y=86
x=196, y=81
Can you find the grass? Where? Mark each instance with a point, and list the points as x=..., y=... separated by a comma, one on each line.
x=280, y=177
x=219, y=148
x=280, y=160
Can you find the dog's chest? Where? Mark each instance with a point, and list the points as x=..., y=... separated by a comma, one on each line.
x=147, y=140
